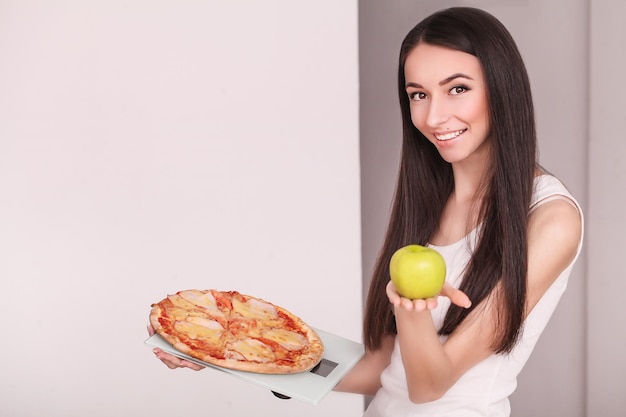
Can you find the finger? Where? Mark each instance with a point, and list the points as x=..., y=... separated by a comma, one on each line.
x=392, y=294
x=171, y=361
x=431, y=303
x=170, y=364
x=407, y=304
x=150, y=330
x=191, y=365
x=456, y=296
x=420, y=305
x=174, y=362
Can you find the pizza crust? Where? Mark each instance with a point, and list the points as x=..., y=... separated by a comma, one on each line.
x=236, y=331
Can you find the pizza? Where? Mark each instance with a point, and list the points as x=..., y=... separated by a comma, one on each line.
x=236, y=331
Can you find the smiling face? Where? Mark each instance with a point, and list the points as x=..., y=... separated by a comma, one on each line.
x=448, y=101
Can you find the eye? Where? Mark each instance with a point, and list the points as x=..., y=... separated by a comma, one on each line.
x=417, y=96
x=458, y=89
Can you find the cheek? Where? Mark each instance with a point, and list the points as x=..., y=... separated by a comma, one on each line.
x=479, y=114
x=483, y=120
x=418, y=118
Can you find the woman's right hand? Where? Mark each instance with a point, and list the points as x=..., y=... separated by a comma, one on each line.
x=170, y=360
x=455, y=295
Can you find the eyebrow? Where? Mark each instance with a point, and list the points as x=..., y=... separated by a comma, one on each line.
x=444, y=81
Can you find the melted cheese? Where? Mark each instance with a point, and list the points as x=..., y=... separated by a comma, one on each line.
x=251, y=350
x=202, y=299
x=180, y=302
x=254, y=309
x=286, y=338
x=206, y=322
x=177, y=313
x=203, y=330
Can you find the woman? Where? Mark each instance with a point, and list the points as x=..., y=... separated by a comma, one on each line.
x=469, y=186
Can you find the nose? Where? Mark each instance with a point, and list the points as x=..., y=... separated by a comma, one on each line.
x=438, y=112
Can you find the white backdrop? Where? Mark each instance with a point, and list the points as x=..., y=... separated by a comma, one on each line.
x=153, y=146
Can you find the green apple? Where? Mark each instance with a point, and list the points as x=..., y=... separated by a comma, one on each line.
x=417, y=272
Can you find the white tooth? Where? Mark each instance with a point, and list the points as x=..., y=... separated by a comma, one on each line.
x=449, y=136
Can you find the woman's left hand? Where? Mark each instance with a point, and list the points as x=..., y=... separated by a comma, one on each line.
x=170, y=360
x=455, y=295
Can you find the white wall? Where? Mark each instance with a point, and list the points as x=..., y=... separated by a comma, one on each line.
x=606, y=343
x=553, y=381
x=152, y=146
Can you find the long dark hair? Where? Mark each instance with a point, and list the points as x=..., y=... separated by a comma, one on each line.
x=425, y=180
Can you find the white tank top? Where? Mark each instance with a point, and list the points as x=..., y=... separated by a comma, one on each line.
x=485, y=388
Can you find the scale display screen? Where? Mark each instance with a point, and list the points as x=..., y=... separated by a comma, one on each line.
x=324, y=368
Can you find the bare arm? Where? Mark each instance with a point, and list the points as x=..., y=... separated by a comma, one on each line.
x=364, y=378
x=433, y=367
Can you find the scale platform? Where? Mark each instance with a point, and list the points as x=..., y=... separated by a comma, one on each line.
x=340, y=355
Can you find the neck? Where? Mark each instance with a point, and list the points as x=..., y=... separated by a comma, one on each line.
x=469, y=174
x=467, y=183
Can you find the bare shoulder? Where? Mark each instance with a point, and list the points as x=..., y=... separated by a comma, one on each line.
x=554, y=233
x=557, y=221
